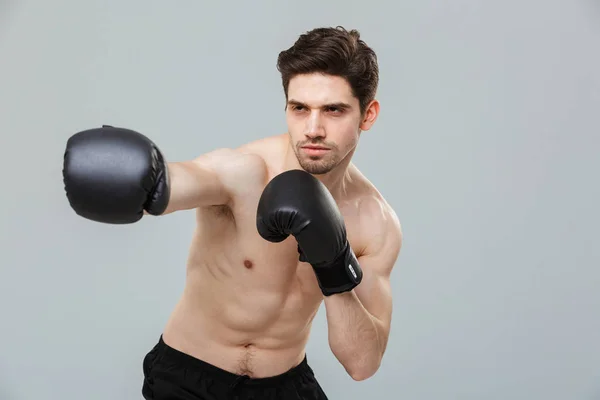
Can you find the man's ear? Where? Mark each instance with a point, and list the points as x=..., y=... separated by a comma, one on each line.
x=370, y=115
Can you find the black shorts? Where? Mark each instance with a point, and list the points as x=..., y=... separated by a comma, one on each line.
x=173, y=375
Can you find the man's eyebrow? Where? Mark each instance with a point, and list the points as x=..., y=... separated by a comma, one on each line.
x=339, y=104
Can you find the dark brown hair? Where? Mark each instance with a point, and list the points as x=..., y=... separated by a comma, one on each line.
x=333, y=51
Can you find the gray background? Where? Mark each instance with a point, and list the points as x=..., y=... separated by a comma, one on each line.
x=487, y=147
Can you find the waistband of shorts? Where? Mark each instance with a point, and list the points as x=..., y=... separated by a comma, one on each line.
x=227, y=377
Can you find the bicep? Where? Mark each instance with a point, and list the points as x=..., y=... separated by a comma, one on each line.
x=375, y=291
x=215, y=178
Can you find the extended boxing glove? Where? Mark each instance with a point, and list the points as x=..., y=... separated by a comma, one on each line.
x=112, y=175
x=296, y=203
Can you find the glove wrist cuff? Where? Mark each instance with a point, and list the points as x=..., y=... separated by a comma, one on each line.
x=341, y=275
x=158, y=200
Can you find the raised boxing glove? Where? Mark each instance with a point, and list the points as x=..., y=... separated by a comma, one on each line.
x=296, y=203
x=112, y=175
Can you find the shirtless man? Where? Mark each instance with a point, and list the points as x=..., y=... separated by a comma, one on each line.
x=283, y=224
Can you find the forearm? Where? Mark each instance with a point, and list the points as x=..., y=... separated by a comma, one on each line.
x=356, y=338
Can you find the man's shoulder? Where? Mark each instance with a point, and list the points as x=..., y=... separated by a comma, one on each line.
x=264, y=147
x=245, y=166
x=374, y=209
x=367, y=196
x=259, y=155
x=237, y=170
x=377, y=217
x=231, y=160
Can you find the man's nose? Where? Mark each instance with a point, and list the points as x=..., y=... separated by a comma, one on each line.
x=314, y=126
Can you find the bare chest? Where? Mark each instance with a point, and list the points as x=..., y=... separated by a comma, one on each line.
x=274, y=265
x=256, y=277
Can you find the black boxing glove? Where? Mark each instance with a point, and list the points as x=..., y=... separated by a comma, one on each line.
x=112, y=175
x=296, y=203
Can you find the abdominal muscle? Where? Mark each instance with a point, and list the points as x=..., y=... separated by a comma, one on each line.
x=247, y=315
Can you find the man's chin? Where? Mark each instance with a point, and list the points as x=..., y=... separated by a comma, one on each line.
x=316, y=167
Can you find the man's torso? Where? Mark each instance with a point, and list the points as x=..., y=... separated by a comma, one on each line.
x=248, y=304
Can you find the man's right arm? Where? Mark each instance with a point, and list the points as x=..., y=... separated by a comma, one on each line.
x=116, y=175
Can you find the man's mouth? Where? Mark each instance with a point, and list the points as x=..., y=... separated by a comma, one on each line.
x=312, y=150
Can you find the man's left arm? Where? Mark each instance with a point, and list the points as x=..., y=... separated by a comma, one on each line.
x=359, y=320
x=357, y=289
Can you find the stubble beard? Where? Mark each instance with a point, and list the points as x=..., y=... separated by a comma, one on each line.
x=317, y=165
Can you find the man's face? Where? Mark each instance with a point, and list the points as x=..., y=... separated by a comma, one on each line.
x=324, y=121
